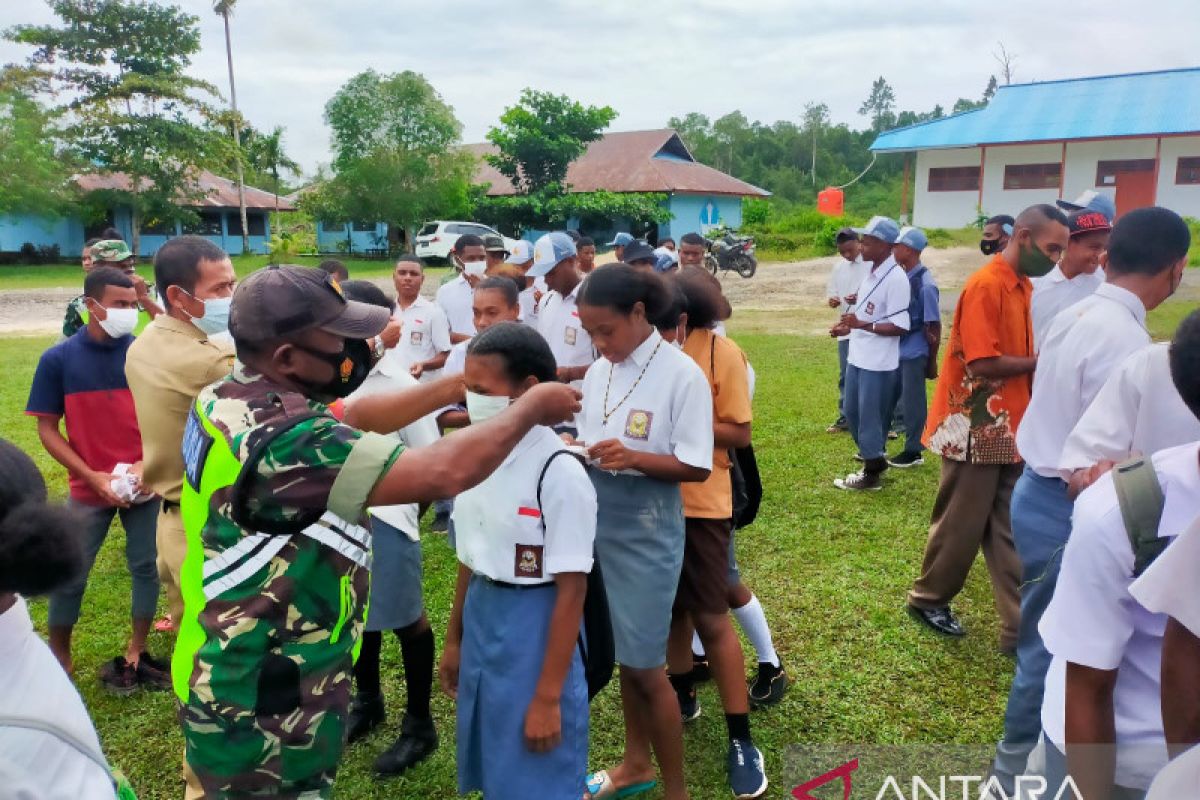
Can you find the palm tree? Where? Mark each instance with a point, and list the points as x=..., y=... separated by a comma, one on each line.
x=223, y=8
x=271, y=158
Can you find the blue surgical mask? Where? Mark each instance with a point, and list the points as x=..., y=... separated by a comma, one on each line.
x=216, y=315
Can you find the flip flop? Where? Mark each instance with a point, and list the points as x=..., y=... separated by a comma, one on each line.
x=165, y=624
x=600, y=785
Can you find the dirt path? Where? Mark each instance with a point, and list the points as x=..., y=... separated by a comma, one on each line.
x=796, y=286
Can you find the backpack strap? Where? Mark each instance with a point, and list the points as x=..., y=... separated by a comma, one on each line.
x=542, y=519
x=239, y=504
x=1141, y=499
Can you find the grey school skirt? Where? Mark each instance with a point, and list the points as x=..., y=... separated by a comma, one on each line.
x=639, y=542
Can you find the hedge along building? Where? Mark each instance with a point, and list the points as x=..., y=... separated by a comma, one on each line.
x=1135, y=137
x=219, y=219
x=699, y=197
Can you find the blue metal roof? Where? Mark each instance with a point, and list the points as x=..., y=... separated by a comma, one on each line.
x=1137, y=104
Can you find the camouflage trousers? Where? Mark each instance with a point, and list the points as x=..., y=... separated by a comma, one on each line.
x=237, y=753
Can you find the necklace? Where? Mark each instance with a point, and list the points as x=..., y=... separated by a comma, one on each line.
x=609, y=412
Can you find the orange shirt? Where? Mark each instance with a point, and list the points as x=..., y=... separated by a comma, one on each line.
x=974, y=419
x=724, y=364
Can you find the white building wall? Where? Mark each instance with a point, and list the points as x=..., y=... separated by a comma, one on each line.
x=998, y=201
x=1184, y=199
x=944, y=209
x=1083, y=156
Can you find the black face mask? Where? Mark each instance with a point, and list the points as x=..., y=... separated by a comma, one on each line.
x=350, y=369
x=989, y=247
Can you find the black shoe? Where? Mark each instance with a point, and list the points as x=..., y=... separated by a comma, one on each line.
x=418, y=739
x=906, y=459
x=366, y=714
x=941, y=620
x=441, y=523
x=700, y=671
x=689, y=707
x=769, y=686
x=119, y=677
x=152, y=673
x=838, y=427
x=860, y=482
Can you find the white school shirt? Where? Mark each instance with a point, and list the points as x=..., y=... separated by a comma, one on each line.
x=883, y=297
x=457, y=300
x=1084, y=346
x=425, y=333
x=33, y=685
x=1094, y=621
x=1168, y=586
x=1138, y=411
x=1179, y=778
x=558, y=323
x=844, y=279
x=388, y=377
x=1054, y=292
x=529, y=306
x=498, y=524
x=669, y=412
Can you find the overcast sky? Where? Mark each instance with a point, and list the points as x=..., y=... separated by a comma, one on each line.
x=654, y=59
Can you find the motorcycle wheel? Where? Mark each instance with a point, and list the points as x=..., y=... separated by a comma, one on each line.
x=746, y=267
x=710, y=263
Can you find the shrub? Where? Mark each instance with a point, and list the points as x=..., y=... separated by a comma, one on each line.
x=28, y=254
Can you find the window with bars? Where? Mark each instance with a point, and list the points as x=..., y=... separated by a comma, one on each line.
x=1187, y=170
x=1032, y=176
x=1106, y=171
x=208, y=224
x=954, y=179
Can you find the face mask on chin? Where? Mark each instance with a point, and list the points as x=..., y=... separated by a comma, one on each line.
x=482, y=407
x=1033, y=262
x=350, y=368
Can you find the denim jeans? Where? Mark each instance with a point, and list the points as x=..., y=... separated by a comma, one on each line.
x=1041, y=523
x=867, y=396
x=140, y=523
x=843, y=354
x=910, y=405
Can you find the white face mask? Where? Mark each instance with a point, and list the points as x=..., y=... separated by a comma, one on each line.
x=482, y=407
x=475, y=268
x=119, y=322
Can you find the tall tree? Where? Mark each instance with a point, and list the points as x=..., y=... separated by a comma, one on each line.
x=118, y=68
x=1007, y=62
x=36, y=177
x=223, y=9
x=816, y=118
x=396, y=154
x=266, y=156
x=540, y=136
x=879, y=105
x=989, y=91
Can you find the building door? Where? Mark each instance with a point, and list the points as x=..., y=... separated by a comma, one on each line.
x=1134, y=190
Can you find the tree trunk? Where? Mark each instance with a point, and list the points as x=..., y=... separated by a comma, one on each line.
x=237, y=140
x=135, y=231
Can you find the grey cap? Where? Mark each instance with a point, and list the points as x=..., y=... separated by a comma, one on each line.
x=281, y=301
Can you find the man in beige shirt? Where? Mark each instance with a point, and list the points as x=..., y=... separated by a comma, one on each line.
x=167, y=366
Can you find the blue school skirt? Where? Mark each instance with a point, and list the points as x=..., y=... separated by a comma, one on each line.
x=396, y=600
x=505, y=632
x=639, y=542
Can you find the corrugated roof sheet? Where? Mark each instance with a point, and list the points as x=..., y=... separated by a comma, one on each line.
x=1137, y=104
x=625, y=162
x=219, y=192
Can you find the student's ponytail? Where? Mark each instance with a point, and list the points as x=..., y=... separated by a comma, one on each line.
x=621, y=287
x=39, y=546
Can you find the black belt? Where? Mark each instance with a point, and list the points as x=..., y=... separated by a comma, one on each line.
x=170, y=505
x=525, y=586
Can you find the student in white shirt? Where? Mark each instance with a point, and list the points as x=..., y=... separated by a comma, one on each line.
x=496, y=299
x=525, y=545
x=1076, y=275
x=424, y=333
x=554, y=258
x=48, y=746
x=396, y=602
x=647, y=424
x=840, y=291
x=1084, y=345
x=875, y=324
x=454, y=297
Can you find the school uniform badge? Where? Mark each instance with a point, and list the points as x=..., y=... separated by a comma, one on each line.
x=637, y=425
x=569, y=336
x=870, y=309
x=416, y=337
x=528, y=561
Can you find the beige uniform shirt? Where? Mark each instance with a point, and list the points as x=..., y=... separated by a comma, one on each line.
x=166, y=367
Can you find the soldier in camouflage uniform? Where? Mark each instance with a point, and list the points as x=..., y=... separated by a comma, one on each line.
x=274, y=500
x=112, y=253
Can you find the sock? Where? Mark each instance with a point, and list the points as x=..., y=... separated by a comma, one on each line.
x=754, y=623
x=739, y=725
x=683, y=685
x=366, y=669
x=416, y=651
x=697, y=646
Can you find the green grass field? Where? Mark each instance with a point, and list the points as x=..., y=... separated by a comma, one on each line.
x=830, y=568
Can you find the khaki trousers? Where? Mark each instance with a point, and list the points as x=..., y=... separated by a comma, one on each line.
x=172, y=546
x=972, y=513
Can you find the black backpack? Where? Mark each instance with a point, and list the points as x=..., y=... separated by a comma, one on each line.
x=745, y=481
x=596, y=646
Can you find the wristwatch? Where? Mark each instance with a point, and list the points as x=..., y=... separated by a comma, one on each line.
x=379, y=347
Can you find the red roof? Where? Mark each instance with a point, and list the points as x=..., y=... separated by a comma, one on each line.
x=219, y=192
x=631, y=161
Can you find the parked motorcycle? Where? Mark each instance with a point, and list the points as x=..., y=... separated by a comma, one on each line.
x=731, y=252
